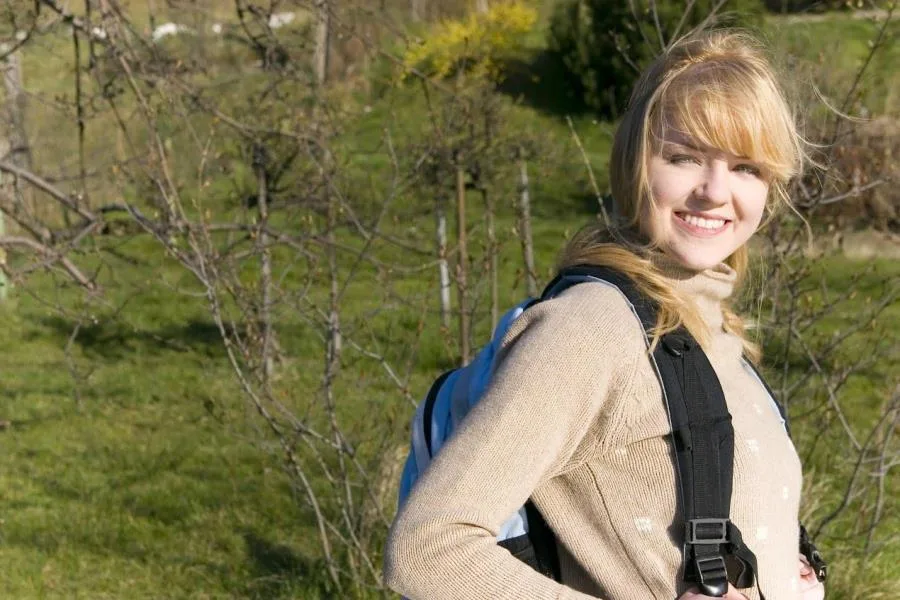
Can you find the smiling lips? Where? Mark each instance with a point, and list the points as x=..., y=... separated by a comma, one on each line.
x=702, y=226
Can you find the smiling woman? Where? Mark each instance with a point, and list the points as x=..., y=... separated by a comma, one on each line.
x=708, y=136
x=576, y=416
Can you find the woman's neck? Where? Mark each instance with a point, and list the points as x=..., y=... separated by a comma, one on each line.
x=706, y=289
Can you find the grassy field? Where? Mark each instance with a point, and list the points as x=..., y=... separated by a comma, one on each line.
x=146, y=476
x=134, y=467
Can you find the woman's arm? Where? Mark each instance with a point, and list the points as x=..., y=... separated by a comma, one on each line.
x=562, y=361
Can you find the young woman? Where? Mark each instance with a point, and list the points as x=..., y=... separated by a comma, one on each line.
x=573, y=417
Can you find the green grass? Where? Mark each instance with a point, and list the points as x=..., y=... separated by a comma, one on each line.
x=833, y=49
x=154, y=482
x=151, y=485
x=827, y=453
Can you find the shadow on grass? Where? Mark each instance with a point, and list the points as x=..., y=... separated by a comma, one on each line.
x=540, y=81
x=112, y=339
x=280, y=571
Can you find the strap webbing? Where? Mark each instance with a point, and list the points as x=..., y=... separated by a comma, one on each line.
x=703, y=438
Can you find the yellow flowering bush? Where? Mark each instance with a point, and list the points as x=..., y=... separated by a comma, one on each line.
x=476, y=42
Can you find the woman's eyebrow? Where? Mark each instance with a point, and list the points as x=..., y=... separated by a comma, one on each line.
x=683, y=144
x=691, y=146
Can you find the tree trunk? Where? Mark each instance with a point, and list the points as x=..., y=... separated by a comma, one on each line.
x=442, y=263
x=262, y=241
x=418, y=10
x=323, y=38
x=6, y=193
x=524, y=214
x=462, y=261
x=19, y=152
x=4, y=282
x=17, y=148
x=492, y=255
x=334, y=322
x=481, y=6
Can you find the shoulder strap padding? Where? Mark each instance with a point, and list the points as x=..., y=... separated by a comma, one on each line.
x=702, y=435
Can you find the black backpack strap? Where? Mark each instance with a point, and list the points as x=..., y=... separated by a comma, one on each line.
x=703, y=438
x=546, y=555
x=704, y=447
x=430, y=400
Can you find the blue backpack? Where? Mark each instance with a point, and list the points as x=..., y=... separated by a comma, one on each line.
x=699, y=418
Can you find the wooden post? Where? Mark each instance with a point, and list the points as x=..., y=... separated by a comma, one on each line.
x=524, y=214
x=462, y=261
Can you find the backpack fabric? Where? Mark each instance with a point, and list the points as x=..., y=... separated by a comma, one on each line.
x=702, y=436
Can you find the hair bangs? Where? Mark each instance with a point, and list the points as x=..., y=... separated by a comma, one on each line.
x=731, y=108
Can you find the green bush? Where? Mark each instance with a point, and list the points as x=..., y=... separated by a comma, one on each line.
x=603, y=43
x=809, y=6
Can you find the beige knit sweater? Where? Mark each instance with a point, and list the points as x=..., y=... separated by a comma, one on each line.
x=574, y=418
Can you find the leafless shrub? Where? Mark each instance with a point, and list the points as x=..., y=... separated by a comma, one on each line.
x=865, y=173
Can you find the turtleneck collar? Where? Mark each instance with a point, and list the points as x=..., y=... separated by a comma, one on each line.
x=707, y=288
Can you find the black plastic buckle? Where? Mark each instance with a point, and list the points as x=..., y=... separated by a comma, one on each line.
x=707, y=531
x=815, y=560
x=813, y=557
x=712, y=576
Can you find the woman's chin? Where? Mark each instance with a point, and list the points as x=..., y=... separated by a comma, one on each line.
x=695, y=262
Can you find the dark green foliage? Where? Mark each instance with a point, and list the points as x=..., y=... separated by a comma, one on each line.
x=604, y=43
x=804, y=6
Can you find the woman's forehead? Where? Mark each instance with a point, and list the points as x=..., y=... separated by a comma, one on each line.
x=704, y=123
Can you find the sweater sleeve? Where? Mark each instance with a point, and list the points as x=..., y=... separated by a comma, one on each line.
x=562, y=363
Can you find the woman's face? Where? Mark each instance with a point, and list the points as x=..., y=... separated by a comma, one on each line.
x=707, y=202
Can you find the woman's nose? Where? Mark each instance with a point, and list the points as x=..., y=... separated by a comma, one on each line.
x=714, y=186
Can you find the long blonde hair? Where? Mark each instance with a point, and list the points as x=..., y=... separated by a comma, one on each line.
x=720, y=89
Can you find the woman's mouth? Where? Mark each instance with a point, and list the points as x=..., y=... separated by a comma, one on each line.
x=702, y=226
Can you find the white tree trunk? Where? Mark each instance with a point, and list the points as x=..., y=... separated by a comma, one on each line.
x=525, y=227
x=16, y=148
x=443, y=267
x=323, y=37
x=481, y=6
x=418, y=10
x=14, y=112
x=265, y=254
x=462, y=264
x=4, y=282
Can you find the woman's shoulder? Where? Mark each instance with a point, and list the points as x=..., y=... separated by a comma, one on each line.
x=584, y=315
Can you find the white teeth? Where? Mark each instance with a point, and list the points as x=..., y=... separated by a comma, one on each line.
x=704, y=223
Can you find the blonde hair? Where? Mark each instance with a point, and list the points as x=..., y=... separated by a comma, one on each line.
x=720, y=90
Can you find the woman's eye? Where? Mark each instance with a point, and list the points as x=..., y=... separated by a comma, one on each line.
x=751, y=169
x=678, y=159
